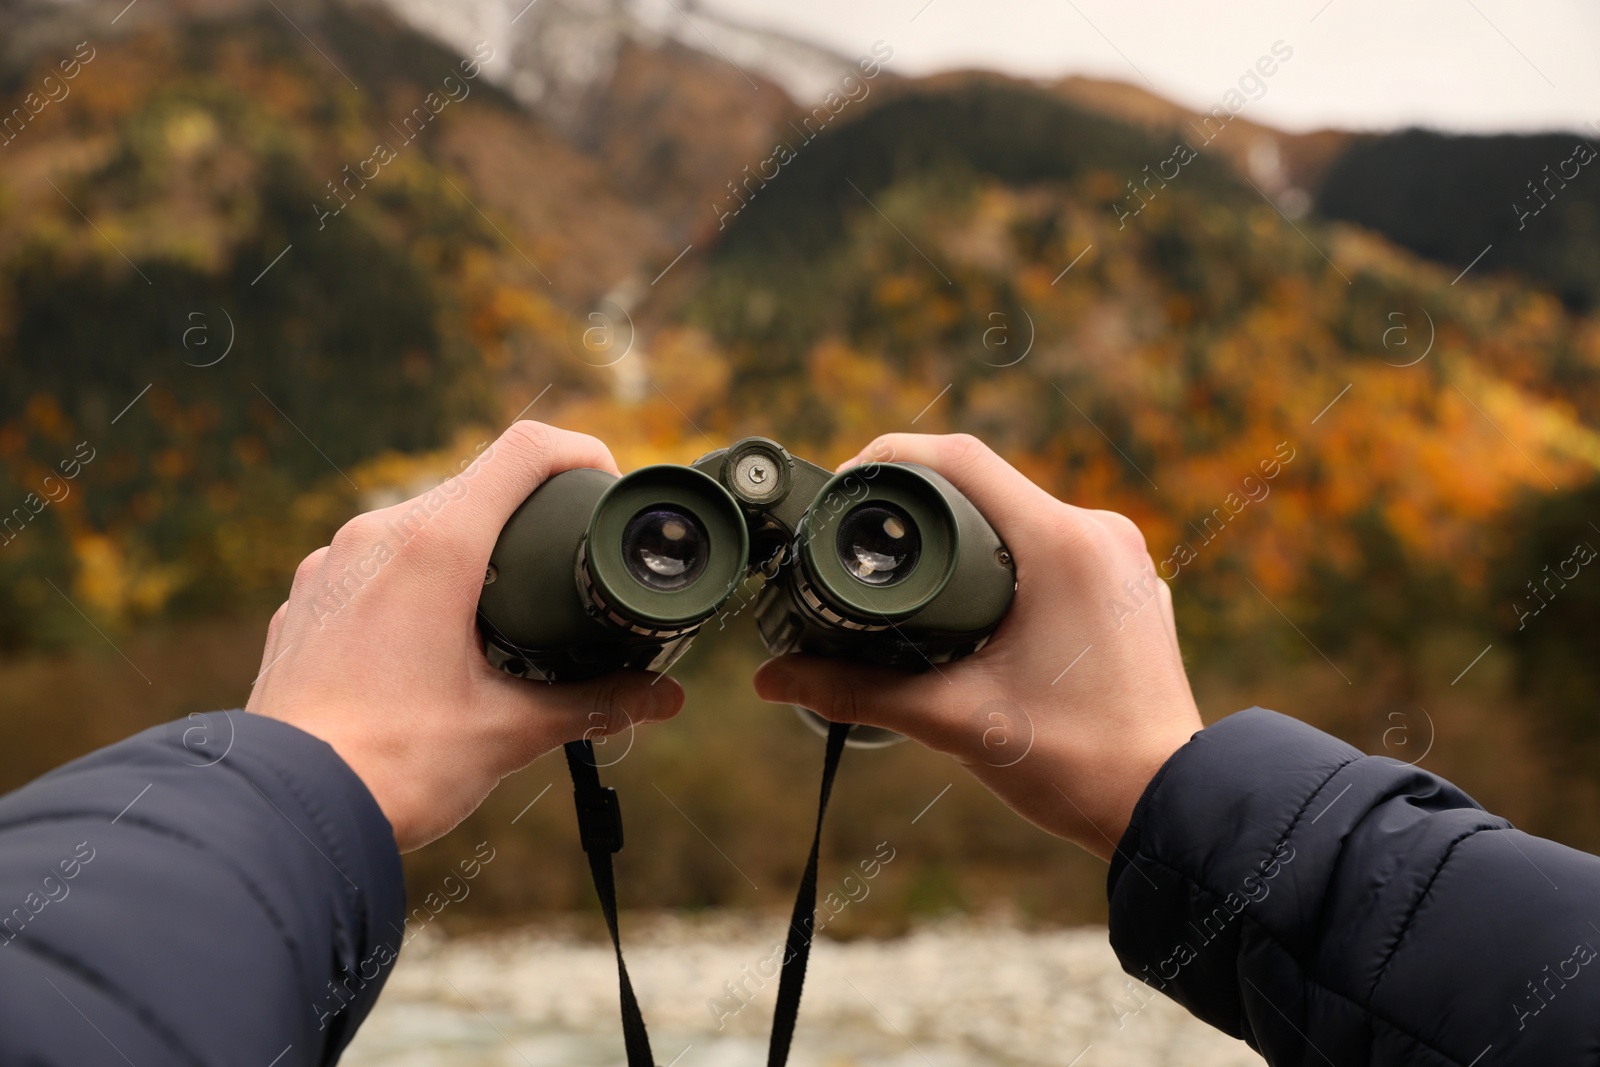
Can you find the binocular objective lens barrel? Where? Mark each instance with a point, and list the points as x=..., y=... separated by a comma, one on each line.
x=665, y=548
x=878, y=543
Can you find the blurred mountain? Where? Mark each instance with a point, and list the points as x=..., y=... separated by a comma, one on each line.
x=1285, y=166
x=672, y=98
x=563, y=53
x=1524, y=203
x=1530, y=204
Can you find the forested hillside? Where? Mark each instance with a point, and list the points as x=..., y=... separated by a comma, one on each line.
x=1528, y=204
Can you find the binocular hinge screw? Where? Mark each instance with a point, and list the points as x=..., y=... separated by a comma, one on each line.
x=490, y=573
x=1002, y=557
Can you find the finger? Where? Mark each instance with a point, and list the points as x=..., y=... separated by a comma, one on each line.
x=841, y=691
x=1164, y=591
x=468, y=510
x=528, y=453
x=274, y=632
x=303, y=591
x=269, y=655
x=879, y=451
x=599, y=707
x=308, y=570
x=1001, y=492
x=1126, y=531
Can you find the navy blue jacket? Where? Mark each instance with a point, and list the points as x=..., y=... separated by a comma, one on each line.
x=1332, y=908
x=219, y=890
x=224, y=890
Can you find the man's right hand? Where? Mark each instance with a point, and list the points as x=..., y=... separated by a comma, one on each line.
x=1079, y=697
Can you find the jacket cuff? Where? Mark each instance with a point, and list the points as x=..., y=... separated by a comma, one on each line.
x=276, y=833
x=312, y=785
x=1211, y=840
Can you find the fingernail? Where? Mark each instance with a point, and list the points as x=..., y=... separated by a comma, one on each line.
x=851, y=462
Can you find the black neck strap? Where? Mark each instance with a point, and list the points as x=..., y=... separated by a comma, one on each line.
x=797, y=948
x=600, y=830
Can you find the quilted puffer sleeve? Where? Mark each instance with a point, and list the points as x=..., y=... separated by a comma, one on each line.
x=222, y=889
x=1334, y=908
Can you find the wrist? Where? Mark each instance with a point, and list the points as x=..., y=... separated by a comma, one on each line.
x=1136, y=770
x=367, y=767
x=1141, y=784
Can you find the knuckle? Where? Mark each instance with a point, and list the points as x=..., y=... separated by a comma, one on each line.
x=1091, y=546
x=961, y=450
x=1102, y=540
x=304, y=573
x=1124, y=530
x=275, y=624
x=531, y=442
x=355, y=534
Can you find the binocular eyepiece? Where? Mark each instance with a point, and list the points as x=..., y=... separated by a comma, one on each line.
x=885, y=563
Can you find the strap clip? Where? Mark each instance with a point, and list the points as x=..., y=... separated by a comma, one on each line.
x=599, y=820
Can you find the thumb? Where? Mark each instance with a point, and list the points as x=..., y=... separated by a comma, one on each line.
x=841, y=691
x=585, y=711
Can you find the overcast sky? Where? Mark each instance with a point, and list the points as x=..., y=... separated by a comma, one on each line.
x=1478, y=65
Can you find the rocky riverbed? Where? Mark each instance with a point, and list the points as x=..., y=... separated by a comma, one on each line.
x=955, y=993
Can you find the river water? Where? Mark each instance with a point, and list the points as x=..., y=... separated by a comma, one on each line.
x=959, y=993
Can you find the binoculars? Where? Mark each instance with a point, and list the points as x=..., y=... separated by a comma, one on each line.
x=884, y=563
